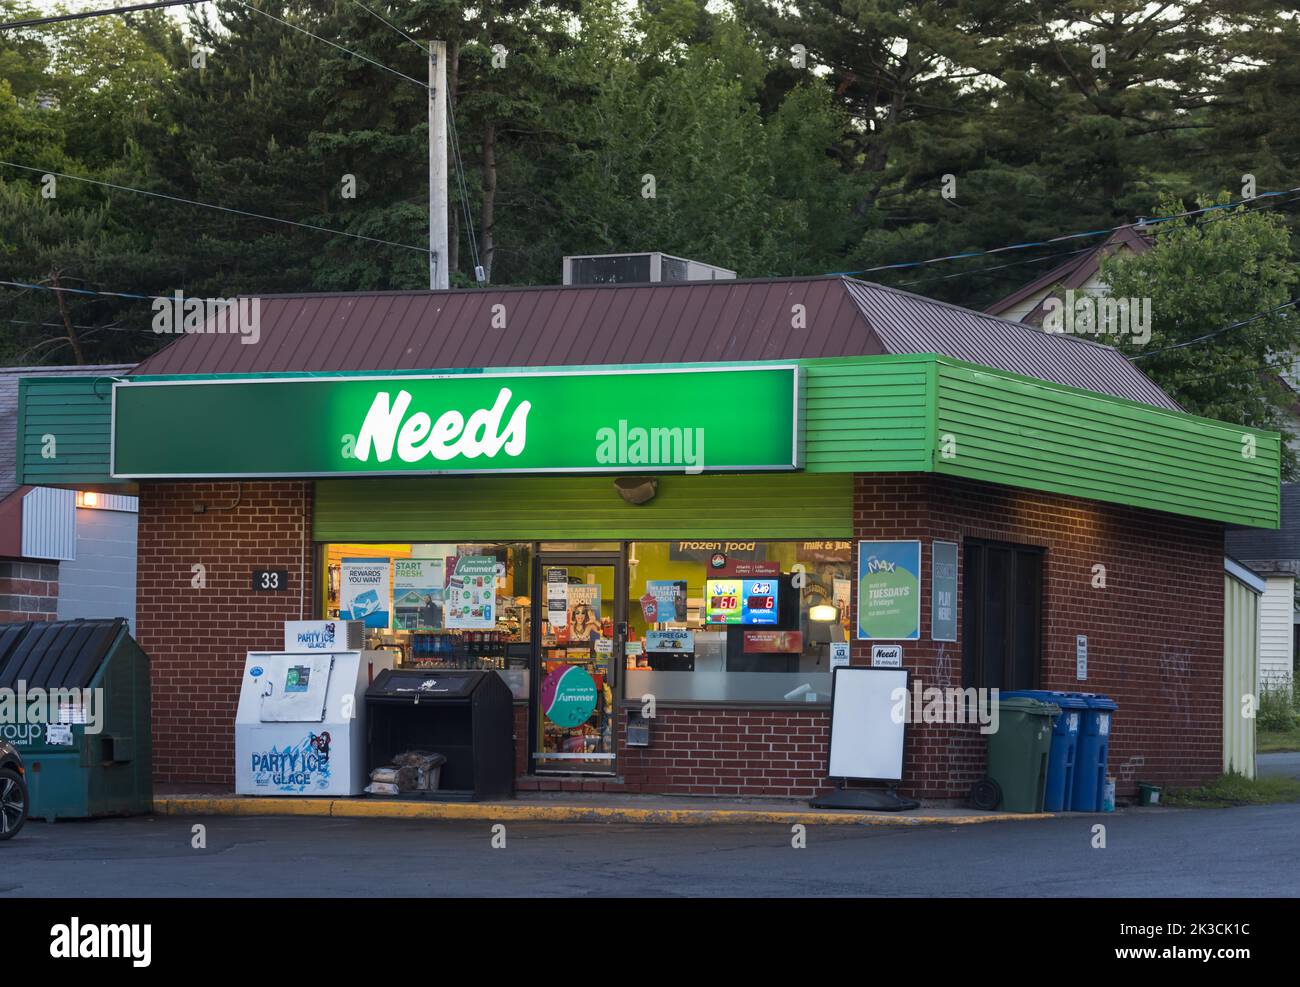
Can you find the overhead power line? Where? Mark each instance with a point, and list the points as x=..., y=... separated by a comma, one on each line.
x=83, y=15
x=1066, y=236
x=1217, y=332
x=1066, y=253
x=210, y=205
x=996, y=267
x=1289, y=362
x=85, y=291
x=380, y=17
x=332, y=44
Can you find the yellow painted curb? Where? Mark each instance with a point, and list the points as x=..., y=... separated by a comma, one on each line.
x=532, y=812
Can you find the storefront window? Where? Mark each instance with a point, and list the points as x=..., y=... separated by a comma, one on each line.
x=735, y=621
x=707, y=621
x=438, y=605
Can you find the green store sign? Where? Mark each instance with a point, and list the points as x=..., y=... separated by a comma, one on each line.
x=616, y=421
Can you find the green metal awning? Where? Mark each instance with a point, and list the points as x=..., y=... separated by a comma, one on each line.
x=879, y=414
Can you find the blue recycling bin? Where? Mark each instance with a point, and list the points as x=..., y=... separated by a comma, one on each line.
x=1091, y=762
x=1059, y=793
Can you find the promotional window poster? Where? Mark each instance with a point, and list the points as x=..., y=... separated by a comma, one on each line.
x=470, y=596
x=363, y=591
x=584, y=612
x=889, y=590
x=417, y=593
x=664, y=601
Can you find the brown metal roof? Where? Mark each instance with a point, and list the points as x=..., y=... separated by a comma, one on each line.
x=911, y=324
x=722, y=321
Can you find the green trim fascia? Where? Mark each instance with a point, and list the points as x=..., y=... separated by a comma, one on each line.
x=1024, y=432
x=76, y=411
x=743, y=506
x=881, y=414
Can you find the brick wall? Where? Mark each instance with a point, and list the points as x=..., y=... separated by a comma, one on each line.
x=28, y=590
x=1155, y=632
x=197, y=637
x=729, y=752
x=1155, y=637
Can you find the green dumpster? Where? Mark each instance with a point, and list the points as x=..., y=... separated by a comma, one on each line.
x=74, y=700
x=1018, y=756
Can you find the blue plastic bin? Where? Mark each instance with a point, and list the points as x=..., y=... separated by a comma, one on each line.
x=1059, y=794
x=1090, y=763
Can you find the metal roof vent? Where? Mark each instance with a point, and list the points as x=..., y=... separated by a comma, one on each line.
x=644, y=268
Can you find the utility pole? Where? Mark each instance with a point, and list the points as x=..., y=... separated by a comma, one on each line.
x=439, y=267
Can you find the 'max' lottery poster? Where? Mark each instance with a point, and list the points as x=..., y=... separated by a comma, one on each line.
x=363, y=591
x=889, y=590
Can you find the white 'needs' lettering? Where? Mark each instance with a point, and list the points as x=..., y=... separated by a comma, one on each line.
x=419, y=436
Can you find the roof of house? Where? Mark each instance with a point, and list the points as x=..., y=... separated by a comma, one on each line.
x=682, y=322
x=1268, y=549
x=9, y=409
x=1074, y=273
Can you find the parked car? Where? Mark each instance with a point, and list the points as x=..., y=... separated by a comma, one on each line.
x=13, y=791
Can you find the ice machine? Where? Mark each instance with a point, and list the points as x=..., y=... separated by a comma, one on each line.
x=301, y=725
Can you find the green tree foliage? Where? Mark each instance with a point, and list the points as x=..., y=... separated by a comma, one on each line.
x=1204, y=274
x=71, y=96
x=779, y=138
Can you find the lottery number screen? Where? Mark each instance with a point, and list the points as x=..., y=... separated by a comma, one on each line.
x=741, y=601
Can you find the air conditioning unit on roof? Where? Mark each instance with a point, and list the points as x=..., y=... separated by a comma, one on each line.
x=644, y=268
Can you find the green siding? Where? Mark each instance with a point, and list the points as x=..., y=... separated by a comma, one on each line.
x=861, y=414
x=76, y=411
x=867, y=414
x=1041, y=436
x=460, y=508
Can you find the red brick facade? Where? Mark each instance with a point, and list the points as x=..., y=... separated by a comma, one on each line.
x=197, y=636
x=1155, y=632
x=1155, y=637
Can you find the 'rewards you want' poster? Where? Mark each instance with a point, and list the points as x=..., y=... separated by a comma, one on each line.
x=363, y=591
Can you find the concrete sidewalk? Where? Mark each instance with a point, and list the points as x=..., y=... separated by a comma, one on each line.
x=571, y=807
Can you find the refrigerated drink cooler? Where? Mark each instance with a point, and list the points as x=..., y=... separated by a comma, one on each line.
x=301, y=725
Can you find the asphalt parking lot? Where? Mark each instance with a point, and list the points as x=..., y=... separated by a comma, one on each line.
x=1249, y=851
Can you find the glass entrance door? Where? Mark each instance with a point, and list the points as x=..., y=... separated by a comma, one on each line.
x=578, y=609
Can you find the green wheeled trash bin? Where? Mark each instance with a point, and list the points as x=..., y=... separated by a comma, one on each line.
x=84, y=726
x=1018, y=757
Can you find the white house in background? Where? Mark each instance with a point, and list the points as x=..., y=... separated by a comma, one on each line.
x=1081, y=273
x=64, y=553
x=1275, y=555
